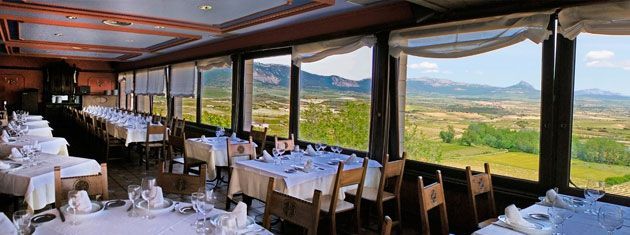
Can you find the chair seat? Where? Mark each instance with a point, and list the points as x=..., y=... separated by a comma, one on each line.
x=487, y=222
x=371, y=193
x=190, y=161
x=153, y=144
x=341, y=204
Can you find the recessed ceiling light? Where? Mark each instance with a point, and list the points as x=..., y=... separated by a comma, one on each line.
x=129, y=40
x=58, y=34
x=71, y=17
x=76, y=48
x=116, y=23
x=158, y=27
x=205, y=7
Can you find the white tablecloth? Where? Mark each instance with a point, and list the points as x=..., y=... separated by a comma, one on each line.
x=116, y=221
x=213, y=151
x=34, y=118
x=51, y=145
x=42, y=131
x=37, y=124
x=37, y=183
x=581, y=223
x=251, y=177
x=6, y=226
x=130, y=135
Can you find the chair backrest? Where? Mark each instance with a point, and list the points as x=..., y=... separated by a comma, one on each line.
x=387, y=226
x=183, y=184
x=156, y=119
x=95, y=185
x=393, y=169
x=346, y=178
x=155, y=130
x=176, y=144
x=259, y=137
x=240, y=149
x=288, y=144
x=297, y=211
x=479, y=184
x=178, y=126
x=429, y=197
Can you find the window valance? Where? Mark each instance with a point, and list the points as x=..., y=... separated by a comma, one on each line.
x=142, y=76
x=311, y=52
x=608, y=18
x=128, y=77
x=156, y=80
x=183, y=80
x=217, y=62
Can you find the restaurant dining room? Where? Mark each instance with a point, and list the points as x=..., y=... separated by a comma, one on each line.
x=481, y=117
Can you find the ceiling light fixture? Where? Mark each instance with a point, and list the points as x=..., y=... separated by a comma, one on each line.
x=71, y=17
x=58, y=34
x=116, y=23
x=76, y=48
x=205, y=7
x=129, y=40
x=158, y=27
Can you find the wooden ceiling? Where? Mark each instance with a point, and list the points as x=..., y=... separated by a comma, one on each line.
x=75, y=29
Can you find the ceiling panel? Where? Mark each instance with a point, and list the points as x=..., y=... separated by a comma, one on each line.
x=222, y=10
x=40, y=32
x=35, y=51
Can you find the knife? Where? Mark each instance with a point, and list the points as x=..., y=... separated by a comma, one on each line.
x=61, y=216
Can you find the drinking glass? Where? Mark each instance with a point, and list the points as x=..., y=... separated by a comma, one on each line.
x=134, y=192
x=228, y=226
x=557, y=216
x=22, y=221
x=198, y=201
x=148, y=194
x=593, y=192
x=610, y=217
x=73, y=203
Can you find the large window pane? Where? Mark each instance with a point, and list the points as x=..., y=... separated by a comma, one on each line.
x=216, y=97
x=189, y=109
x=601, y=113
x=270, y=94
x=472, y=110
x=335, y=100
x=160, y=107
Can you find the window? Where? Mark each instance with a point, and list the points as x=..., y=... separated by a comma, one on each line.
x=160, y=106
x=269, y=81
x=470, y=110
x=143, y=104
x=122, y=95
x=335, y=100
x=216, y=97
x=600, y=148
x=189, y=108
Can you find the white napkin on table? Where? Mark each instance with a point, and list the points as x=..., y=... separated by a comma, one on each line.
x=266, y=157
x=233, y=136
x=14, y=114
x=15, y=154
x=514, y=217
x=4, y=165
x=308, y=166
x=203, y=138
x=159, y=197
x=5, y=136
x=351, y=159
x=239, y=214
x=311, y=151
x=551, y=197
x=83, y=202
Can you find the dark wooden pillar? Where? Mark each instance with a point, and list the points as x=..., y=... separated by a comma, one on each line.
x=379, y=116
x=394, y=126
x=294, y=102
x=563, y=113
x=546, y=156
x=198, y=110
x=238, y=92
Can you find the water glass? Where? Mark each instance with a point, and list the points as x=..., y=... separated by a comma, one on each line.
x=22, y=221
x=134, y=192
x=73, y=203
x=557, y=215
x=593, y=192
x=610, y=217
x=197, y=200
x=148, y=194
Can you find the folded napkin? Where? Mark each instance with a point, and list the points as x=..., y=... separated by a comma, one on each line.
x=83, y=202
x=5, y=138
x=5, y=133
x=308, y=166
x=14, y=114
x=158, y=200
x=515, y=218
x=4, y=165
x=351, y=159
x=203, y=138
x=233, y=136
x=15, y=154
x=311, y=151
x=239, y=215
x=552, y=197
x=266, y=157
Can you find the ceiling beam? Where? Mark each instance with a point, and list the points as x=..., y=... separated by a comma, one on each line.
x=71, y=46
x=315, y=4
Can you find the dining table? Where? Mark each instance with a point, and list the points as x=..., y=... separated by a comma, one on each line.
x=34, y=179
x=579, y=223
x=114, y=220
x=50, y=145
x=6, y=225
x=212, y=150
x=131, y=134
x=40, y=131
x=36, y=124
x=250, y=177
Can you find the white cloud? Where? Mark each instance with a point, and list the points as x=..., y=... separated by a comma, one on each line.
x=605, y=59
x=426, y=67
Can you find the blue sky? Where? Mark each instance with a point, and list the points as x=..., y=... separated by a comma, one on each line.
x=602, y=62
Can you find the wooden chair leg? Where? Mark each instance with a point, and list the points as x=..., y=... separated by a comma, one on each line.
x=146, y=158
x=379, y=209
x=399, y=215
x=333, y=223
x=357, y=217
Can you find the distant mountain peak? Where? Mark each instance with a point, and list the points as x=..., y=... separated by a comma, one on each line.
x=522, y=85
x=596, y=92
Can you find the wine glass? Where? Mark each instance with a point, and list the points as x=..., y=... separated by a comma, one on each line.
x=610, y=217
x=276, y=154
x=593, y=192
x=73, y=203
x=198, y=200
x=134, y=192
x=557, y=215
x=22, y=221
x=148, y=194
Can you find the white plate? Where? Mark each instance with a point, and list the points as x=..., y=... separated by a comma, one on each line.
x=216, y=219
x=96, y=208
x=166, y=206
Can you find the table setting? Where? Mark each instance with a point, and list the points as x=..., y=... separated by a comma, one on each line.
x=123, y=125
x=298, y=173
x=146, y=211
x=51, y=145
x=563, y=214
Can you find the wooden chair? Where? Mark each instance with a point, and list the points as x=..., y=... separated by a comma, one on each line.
x=386, y=229
x=182, y=184
x=148, y=144
x=89, y=124
x=237, y=150
x=297, y=211
x=176, y=144
x=481, y=184
x=378, y=196
x=95, y=185
x=287, y=145
x=259, y=137
x=177, y=126
x=111, y=141
x=429, y=197
x=331, y=205
x=157, y=119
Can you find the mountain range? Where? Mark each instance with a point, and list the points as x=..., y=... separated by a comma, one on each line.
x=274, y=75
